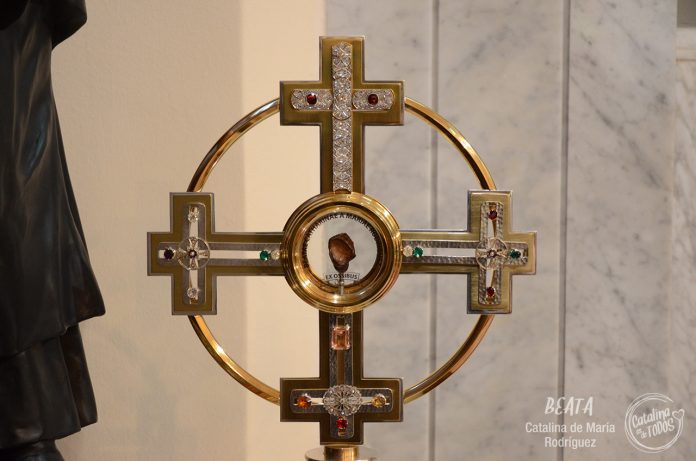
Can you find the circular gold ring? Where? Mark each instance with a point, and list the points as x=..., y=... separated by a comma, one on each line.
x=204, y=170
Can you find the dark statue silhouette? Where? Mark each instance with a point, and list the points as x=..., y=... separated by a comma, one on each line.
x=46, y=283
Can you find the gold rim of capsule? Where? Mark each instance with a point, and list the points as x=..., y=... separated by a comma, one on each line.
x=370, y=288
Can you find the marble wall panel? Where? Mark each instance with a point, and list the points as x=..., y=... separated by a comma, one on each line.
x=398, y=46
x=683, y=371
x=499, y=79
x=618, y=260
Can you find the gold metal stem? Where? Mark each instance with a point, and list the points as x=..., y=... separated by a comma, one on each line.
x=352, y=453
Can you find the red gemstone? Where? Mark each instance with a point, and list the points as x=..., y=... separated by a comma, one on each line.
x=342, y=424
x=311, y=99
x=493, y=215
x=490, y=292
x=372, y=99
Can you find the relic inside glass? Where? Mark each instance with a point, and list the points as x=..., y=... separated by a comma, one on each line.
x=341, y=249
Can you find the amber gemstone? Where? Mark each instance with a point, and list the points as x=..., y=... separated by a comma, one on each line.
x=490, y=292
x=379, y=401
x=372, y=99
x=311, y=99
x=493, y=215
x=340, y=338
x=342, y=424
x=303, y=401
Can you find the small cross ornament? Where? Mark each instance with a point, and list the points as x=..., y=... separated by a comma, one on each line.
x=496, y=253
x=342, y=103
x=193, y=254
x=341, y=399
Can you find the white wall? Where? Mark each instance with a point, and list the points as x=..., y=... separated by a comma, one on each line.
x=143, y=91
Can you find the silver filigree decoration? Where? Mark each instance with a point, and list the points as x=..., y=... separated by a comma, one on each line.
x=373, y=99
x=341, y=72
x=342, y=400
x=300, y=99
x=193, y=253
x=491, y=254
x=342, y=135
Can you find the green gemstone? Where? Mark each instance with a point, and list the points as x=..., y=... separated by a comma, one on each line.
x=418, y=252
x=265, y=255
x=515, y=254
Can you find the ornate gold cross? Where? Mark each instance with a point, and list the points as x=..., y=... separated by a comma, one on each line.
x=356, y=227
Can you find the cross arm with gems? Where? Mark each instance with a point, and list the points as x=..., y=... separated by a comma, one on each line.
x=193, y=254
x=341, y=399
x=342, y=103
x=489, y=252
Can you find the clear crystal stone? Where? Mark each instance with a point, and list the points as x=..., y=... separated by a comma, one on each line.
x=193, y=214
x=275, y=255
x=192, y=293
